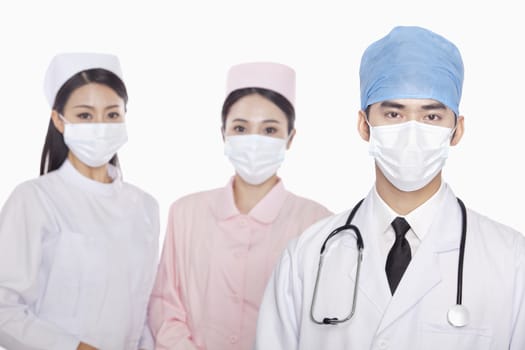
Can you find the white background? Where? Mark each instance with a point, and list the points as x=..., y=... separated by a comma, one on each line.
x=175, y=55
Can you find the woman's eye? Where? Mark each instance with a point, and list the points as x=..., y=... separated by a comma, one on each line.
x=113, y=115
x=84, y=116
x=239, y=128
x=270, y=130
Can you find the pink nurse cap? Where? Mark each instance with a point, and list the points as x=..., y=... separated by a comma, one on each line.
x=267, y=75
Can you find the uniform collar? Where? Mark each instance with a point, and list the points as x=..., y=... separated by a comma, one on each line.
x=422, y=218
x=423, y=272
x=266, y=211
x=419, y=219
x=71, y=175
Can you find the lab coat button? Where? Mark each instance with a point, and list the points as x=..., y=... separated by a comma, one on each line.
x=382, y=344
x=234, y=339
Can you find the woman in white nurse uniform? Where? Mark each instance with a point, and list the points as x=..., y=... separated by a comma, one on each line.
x=78, y=246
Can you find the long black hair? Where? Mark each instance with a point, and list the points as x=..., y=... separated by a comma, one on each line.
x=275, y=97
x=55, y=150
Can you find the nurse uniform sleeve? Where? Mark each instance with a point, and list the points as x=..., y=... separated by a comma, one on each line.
x=518, y=334
x=23, y=225
x=167, y=315
x=279, y=314
x=146, y=341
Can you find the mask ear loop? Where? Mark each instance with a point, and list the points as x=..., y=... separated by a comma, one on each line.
x=64, y=119
x=453, y=131
x=288, y=138
x=368, y=123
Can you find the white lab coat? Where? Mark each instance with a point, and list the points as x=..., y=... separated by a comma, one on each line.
x=77, y=263
x=416, y=316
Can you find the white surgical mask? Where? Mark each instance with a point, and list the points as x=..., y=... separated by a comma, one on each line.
x=94, y=144
x=410, y=154
x=255, y=158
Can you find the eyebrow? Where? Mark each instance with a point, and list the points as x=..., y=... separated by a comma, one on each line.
x=92, y=108
x=264, y=121
x=390, y=104
x=431, y=106
x=437, y=105
x=240, y=120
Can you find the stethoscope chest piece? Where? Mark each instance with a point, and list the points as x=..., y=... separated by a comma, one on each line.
x=458, y=316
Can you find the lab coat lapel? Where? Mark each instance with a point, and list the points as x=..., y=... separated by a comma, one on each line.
x=424, y=271
x=372, y=281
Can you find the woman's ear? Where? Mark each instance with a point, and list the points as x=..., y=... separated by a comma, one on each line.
x=362, y=126
x=57, y=121
x=222, y=133
x=458, y=133
x=290, y=138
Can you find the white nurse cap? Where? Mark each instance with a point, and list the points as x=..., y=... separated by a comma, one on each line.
x=63, y=66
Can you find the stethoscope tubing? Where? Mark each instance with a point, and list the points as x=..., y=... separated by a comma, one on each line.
x=459, y=292
x=463, y=313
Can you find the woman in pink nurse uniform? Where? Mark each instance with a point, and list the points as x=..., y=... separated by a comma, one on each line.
x=221, y=245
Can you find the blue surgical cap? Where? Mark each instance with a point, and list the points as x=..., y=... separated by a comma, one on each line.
x=411, y=62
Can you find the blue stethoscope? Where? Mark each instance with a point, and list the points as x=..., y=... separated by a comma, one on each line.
x=458, y=314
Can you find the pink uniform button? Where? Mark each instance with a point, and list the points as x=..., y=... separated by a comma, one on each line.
x=234, y=339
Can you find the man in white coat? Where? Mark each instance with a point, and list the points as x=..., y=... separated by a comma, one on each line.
x=411, y=292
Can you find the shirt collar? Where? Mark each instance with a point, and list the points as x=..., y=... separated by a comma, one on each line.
x=383, y=214
x=419, y=219
x=266, y=211
x=71, y=175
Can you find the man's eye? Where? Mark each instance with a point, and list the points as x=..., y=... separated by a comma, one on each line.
x=392, y=114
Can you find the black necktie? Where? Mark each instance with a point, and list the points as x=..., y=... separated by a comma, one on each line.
x=399, y=255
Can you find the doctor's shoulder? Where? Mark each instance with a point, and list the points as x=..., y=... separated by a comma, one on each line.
x=500, y=237
x=310, y=241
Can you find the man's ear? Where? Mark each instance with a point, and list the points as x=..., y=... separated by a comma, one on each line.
x=362, y=126
x=458, y=133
